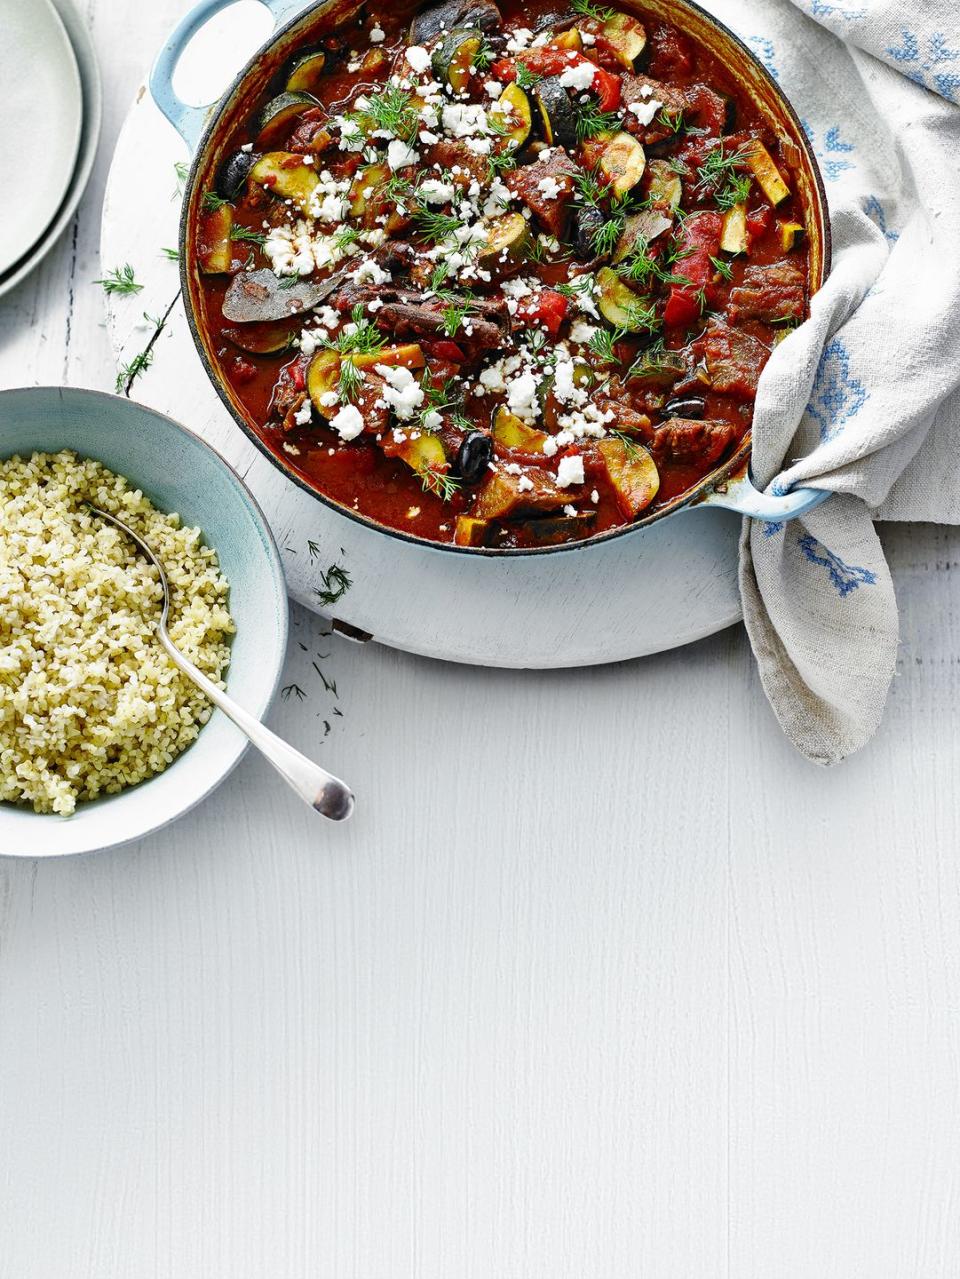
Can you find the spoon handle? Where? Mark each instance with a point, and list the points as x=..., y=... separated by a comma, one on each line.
x=325, y=793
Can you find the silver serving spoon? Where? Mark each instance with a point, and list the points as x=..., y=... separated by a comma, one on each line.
x=321, y=790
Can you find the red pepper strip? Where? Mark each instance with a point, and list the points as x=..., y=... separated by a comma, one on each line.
x=550, y=62
x=298, y=375
x=444, y=349
x=547, y=308
x=759, y=222
x=699, y=241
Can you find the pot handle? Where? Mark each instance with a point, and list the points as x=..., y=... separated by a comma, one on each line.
x=739, y=494
x=190, y=121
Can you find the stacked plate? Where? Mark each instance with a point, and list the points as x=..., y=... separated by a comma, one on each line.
x=45, y=56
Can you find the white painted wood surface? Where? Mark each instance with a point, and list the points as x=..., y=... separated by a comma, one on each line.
x=602, y=982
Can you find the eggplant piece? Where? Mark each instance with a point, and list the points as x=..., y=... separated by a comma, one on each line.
x=691, y=407
x=550, y=530
x=433, y=20
x=473, y=457
x=502, y=494
x=284, y=175
x=255, y=297
x=640, y=229
x=262, y=339
x=277, y=117
x=633, y=474
x=791, y=233
x=454, y=55
x=557, y=112
x=307, y=73
x=233, y=173
x=510, y=433
x=587, y=221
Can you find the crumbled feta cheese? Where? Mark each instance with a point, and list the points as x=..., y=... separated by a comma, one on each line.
x=464, y=119
x=368, y=272
x=594, y=497
x=564, y=387
x=549, y=187
x=550, y=446
x=570, y=471
x=247, y=148
x=524, y=484
x=519, y=40
x=493, y=88
x=418, y=58
x=348, y=422
x=403, y=393
x=428, y=138
x=433, y=191
x=579, y=76
x=588, y=37
x=400, y=154
x=569, y=510
x=582, y=332
x=646, y=90
x=522, y=396
x=304, y=413
x=377, y=36
x=645, y=111
x=308, y=343
x=328, y=399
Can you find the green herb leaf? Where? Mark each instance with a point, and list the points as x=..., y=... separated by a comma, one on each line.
x=120, y=280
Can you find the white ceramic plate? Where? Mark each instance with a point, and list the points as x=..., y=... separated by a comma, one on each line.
x=40, y=91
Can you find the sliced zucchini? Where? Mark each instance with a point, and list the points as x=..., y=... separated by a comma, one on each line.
x=666, y=369
x=367, y=179
x=409, y=356
x=569, y=39
x=323, y=376
x=286, y=176
x=622, y=162
x=626, y=38
x=278, y=115
x=733, y=237
x=510, y=433
x=640, y=229
x=373, y=62
x=307, y=73
x=469, y=531
x=214, y=246
x=665, y=189
x=502, y=494
x=767, y=174
x=557, y=113
x=262, y=339
x=425, y=453
x=454, y=55
x=790, y=235
x=617, y=302
x=508, y=235
x=633, y=474
x=549, y=530
x=515, y=105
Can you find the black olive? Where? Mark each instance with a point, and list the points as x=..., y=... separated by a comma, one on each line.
x=232, y=174
x=474, y=454
x=691, y=407
x=586, y=224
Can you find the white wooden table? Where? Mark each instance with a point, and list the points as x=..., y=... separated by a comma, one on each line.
x=603, y=981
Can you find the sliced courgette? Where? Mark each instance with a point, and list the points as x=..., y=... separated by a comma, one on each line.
x=514, y=104
x=790, y=235
x=214, y=245
x=469, y=531
x=639, y=230
x=767, y=174
x=663, y=370
x=262, y=339
x=626, y=38
x=665, y=189
x=285, y=175
x=733, y=237
x=323, y=376
x=423, y=454
x=508, y=235
x=409, y=356
x=550, y=530
x=307, y=73
x=454, y=55
x=510, y=433
x=622, y=162
x=277, y=117
x=557, y=112
x=367, y=179
x=633, y=474
x=617, y=302
x=569, y=39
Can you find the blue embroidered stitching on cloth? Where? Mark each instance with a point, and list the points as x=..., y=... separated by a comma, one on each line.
x=837, y=396
x=845, y=577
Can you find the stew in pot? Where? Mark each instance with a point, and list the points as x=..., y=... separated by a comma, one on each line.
x=502, y=277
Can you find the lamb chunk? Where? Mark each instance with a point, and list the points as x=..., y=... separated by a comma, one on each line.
x=434, y=19
x=692, y=443
x=626, y=419
x=770, y=293
x=734, y=360
x=552, y=211
x=674, y=103
x=450, y=155
x=408, y=320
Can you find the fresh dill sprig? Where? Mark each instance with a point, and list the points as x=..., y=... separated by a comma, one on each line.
x=587, y=9
x=363, y=338
x=244, y=233
x=392, y=110
x=346, y=236
x=631, y=447
x=483, y=57
x=604, y=239
x=640, y=267
x=736, y=191
x=120, y=280
x=671, y=120
x=288, y=281
x=127, y=374
x=720, y=164
x=454, y=315
x=181, y=169
x=700, y=297
x=172, y=254
x=652, y=360
x=724, y=268
x=575, y=288
x=591, y=121
x=336, y=582
x=439, y=482
x=526, y=78
x=602, y=345
x=348, y=385
x=436, y=226
x=210, y=202
x=292, y=688
x=445, y=399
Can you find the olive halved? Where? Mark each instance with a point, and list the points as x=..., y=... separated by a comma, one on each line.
x=473, y=457
x=232, y=175
x=686, y=406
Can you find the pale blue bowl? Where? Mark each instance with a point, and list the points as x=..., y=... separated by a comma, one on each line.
x=177, y=472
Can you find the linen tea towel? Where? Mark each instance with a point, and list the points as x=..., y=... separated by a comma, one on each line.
x=864, y=398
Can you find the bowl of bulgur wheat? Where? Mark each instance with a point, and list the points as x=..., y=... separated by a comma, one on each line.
x=102, y=739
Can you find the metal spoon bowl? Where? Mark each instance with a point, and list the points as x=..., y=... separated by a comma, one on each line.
x=326, y=794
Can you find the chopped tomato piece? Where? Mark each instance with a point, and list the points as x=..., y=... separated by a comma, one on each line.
x=607, y=89
x=547, y=308
x=682, y=309
x=444, y=349
x=550, y=62
x=297, y=375
x=759, y=222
